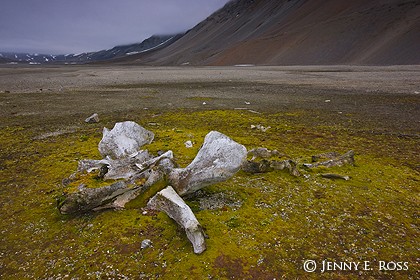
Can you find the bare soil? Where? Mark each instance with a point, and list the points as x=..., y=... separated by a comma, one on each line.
x=382, y=98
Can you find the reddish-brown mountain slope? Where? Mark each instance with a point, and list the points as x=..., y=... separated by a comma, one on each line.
x=290, y=32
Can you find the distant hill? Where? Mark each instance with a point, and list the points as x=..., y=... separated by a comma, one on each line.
x=152, y=43
x=5, y=60
x=292, y=32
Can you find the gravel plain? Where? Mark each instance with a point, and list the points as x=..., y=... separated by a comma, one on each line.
x=389, y=97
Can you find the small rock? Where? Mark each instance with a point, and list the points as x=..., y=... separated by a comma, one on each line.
x=188, y=144
x=264, y=129
x=260, y=127
x=146, y=244
x=327, y=101
x=93, y=119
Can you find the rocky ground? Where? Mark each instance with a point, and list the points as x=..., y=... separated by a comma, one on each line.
x=387, y=96
x=260, y=226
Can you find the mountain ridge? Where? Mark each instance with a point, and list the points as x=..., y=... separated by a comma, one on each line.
x=274, y=32
x=293, y=32
x=119, y=51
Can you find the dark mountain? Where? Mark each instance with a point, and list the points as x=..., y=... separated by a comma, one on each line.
x=152, y=43
x=291, y=32
x=5, y=60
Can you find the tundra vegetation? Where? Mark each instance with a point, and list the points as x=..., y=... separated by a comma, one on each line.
x=259, y=226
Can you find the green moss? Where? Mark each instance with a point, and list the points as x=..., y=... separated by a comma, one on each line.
x=142, y=200
x=283, y=220
x=89, y=180
x=233, y=222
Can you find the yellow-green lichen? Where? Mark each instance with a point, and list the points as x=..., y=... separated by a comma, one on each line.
x=281, y=221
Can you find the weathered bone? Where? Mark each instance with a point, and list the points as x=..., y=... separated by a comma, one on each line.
x=153, y=161
x=168, y=201
x=218, y=160
x=124, y=139
x=126, y=167
x=87, y=199
x=262, y=153
x=153, y=177
x=89, y=165
x=107, y=197
x=286, y=164
x=328, y=155
x=253, y=167
x=347, y=158
x=122, y=168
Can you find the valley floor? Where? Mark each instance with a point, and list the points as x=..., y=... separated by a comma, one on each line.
x=270, y=223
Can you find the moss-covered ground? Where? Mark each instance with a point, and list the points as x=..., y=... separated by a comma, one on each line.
x=280, y=222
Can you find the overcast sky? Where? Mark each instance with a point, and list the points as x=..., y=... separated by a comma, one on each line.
x=74, y=26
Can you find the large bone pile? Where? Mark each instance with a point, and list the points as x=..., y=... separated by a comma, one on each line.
x=136, y=171
x=218, y=159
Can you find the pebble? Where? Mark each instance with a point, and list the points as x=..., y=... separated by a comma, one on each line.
x=188, y=144
x=146, y=244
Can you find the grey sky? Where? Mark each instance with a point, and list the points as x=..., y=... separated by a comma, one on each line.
x=74, y=26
